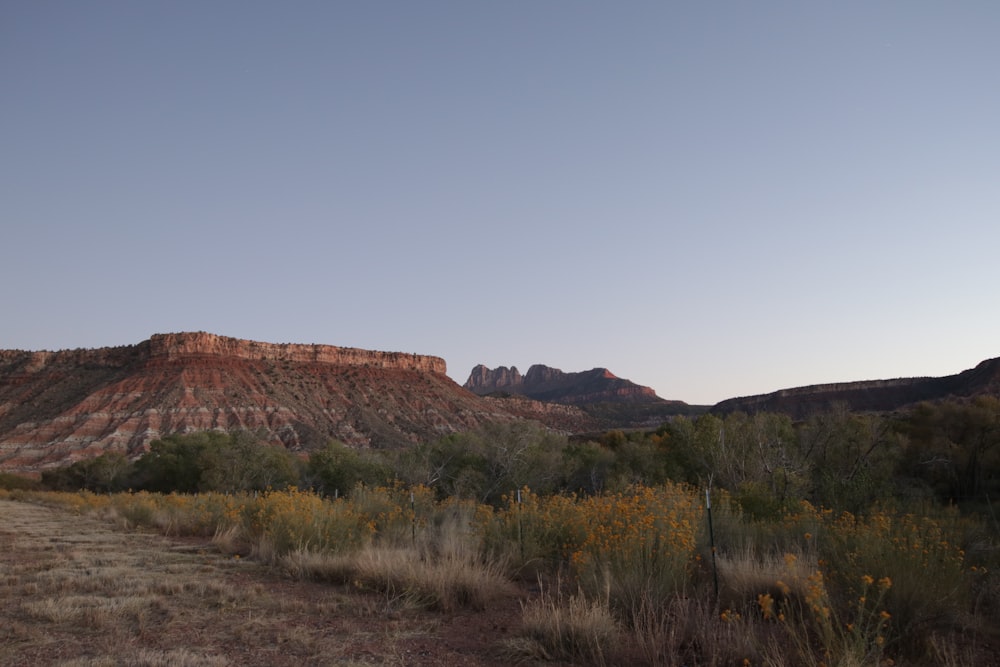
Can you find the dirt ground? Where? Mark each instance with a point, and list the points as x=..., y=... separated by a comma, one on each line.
x=78, y=591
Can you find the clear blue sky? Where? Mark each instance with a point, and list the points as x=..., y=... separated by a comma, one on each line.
x=710, y=198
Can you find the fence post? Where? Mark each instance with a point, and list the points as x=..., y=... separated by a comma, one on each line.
x=520, y=534
x=711, y=542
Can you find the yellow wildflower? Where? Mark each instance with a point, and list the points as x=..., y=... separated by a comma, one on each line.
x=766, y=603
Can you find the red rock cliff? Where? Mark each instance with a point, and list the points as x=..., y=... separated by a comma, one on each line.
x=58, y=407
x=188, y=345
x=178, y=346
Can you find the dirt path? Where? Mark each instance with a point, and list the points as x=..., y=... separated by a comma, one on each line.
x=76, y=591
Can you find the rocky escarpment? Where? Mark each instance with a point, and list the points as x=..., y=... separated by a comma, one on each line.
x=58, y=407
x=609, y=401
x=483, y=380
x=189, y=346
x=544, y=383
x=872, y=395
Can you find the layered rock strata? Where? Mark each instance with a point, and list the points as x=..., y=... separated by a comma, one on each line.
x=58, y=407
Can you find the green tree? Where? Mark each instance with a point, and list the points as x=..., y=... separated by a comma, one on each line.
x=765, y=470
x=337, y=469
x=488, y=462
x=953, y=448
x=108, y=473
x=852, y=458
x=755, y=457
x=214, y=461
x=699, y=449
x=588, y=467
x=246, y=462
x=174, y=463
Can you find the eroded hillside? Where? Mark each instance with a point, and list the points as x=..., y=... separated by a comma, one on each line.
x=59, y=407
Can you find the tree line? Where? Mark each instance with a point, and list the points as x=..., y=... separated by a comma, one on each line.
x=947, y=452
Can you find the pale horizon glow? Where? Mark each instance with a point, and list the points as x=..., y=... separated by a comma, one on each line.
x=710, y=199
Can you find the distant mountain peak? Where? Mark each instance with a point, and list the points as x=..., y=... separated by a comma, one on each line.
x=500, y=378
x=544, y=383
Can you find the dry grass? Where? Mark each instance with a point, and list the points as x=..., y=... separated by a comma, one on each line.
x=441, y=570
x=747, y=574
x=78, y=592
x=146, y=658
x=684, y=631
x=567, y=627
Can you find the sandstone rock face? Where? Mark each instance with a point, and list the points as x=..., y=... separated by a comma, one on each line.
x=59, y=407
x=544, y=383
x=607, y=400
x=483, y=380
x=193, y=345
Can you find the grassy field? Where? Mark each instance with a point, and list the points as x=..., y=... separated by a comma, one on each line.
x=83, y=591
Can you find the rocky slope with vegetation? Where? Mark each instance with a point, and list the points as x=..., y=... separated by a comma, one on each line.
x=57, y=408
x=60, y=407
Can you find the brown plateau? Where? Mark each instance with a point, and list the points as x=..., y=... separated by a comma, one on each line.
x=61, y=407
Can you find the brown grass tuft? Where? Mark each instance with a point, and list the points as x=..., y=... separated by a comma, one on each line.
x=567, y=627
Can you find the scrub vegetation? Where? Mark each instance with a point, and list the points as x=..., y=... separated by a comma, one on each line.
x=846, y=539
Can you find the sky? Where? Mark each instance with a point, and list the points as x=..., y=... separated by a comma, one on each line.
x=713, y=199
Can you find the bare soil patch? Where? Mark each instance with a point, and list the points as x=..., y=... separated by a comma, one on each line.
x=78, y=591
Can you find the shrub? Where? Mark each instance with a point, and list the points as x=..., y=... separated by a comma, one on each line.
x=852, y=634
x=920, y=555
x=11, y=482
x=623, y=544
x=279, y=522
x=639, y=544
x=534, y=532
